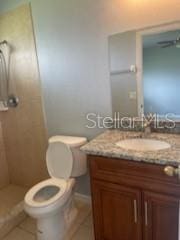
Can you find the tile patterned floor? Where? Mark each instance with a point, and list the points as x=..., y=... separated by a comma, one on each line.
x=82, y=231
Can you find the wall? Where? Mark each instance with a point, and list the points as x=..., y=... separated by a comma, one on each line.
x=72, y=41
x=23, y=127
x=73, y=52
x=4, y=174
x=161, y=80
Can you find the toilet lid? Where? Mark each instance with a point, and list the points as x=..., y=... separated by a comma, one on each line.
x=59, y=160
x=71, y=141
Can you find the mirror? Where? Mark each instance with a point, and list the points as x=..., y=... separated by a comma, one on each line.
x=145, y=72
x=122, y=56
x=161, y=73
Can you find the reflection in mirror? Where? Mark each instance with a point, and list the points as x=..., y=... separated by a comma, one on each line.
x=161, y=73
x=122, y=59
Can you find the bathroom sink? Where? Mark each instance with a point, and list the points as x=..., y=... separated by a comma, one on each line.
x=143, y=145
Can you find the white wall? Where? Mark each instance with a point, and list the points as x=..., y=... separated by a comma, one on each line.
x=73, y=52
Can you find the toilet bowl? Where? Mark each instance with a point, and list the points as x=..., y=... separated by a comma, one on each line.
x=51, y=202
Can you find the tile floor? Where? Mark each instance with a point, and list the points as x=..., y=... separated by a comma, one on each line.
x=11, y=208
x=81, y=230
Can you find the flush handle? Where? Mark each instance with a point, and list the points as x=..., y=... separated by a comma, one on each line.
x=172, y=171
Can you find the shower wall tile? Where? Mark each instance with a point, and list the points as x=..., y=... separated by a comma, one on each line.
x=4, y=174
x=23, y=127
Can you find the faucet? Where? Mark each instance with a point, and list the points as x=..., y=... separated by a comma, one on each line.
x=146, y=124
x=146, y=129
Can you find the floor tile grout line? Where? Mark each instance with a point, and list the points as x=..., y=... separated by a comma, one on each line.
x=80, y=225
x=25, y=230
x=14, y=229
x=84, y=224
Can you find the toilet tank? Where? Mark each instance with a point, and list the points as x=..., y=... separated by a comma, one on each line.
x=79, y=157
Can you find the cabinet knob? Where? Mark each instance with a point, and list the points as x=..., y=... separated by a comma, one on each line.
x=172, y=171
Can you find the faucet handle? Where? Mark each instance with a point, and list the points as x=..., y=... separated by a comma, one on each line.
x=146, y=124
x=148, y=120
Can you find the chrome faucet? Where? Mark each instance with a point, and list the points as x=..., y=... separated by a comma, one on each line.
x=146, y=129
x=146, y=124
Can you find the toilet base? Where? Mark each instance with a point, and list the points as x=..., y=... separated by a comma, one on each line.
x=51, y=228
x=56, y=226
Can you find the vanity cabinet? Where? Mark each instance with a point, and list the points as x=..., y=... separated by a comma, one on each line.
x=116, y=211
x=162, y=216
x=133, y=201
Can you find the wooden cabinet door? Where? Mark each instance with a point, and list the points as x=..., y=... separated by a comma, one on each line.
x=117, y=212
x=161, y=217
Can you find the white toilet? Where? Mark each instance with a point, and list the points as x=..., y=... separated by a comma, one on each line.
x=51, y=202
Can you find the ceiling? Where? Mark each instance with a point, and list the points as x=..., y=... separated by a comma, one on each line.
x=152, y=40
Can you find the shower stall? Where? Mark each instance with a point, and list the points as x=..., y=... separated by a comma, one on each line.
x=23, y=138
x=11, y=196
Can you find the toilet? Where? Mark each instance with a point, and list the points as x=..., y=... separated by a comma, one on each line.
x=51, y=202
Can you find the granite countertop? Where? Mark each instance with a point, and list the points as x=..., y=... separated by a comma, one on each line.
x=105, y=145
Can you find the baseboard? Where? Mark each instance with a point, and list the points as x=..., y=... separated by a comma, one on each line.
x=83, y=197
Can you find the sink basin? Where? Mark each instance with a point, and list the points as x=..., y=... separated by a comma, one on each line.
x=143, y=145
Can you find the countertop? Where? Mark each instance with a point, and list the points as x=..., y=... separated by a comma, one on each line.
x=105, y=145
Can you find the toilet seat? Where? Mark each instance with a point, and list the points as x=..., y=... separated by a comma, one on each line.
x=53, y=182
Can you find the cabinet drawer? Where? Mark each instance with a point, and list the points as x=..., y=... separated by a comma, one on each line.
x=138, y=174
